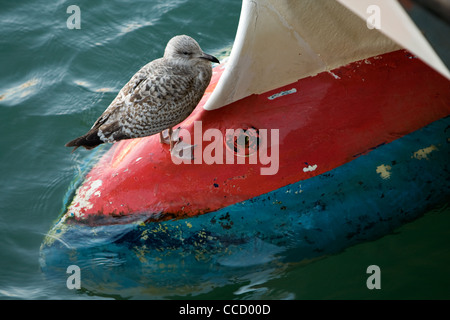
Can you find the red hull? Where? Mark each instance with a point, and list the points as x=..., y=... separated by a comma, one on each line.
x=325, y=122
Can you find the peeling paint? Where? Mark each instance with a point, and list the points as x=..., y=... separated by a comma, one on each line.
x=423, y=153
x=334, y=75
x=282, y=93
x=81, y=202
x=384, y=171
x=310, y=168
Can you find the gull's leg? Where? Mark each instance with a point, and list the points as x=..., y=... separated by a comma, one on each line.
x=178, y=148
x=170, y=139
x=164, y=136
x=183, y=150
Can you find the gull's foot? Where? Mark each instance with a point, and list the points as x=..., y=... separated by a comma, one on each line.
x=170, y=137
x=183, y=150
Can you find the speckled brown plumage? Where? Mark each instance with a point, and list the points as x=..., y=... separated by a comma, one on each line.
x=160, y=95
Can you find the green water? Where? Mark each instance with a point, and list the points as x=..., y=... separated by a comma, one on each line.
x=55, y=82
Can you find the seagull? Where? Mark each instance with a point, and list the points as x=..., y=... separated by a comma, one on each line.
x=159, y=96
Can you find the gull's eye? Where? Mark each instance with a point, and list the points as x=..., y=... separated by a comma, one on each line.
x=185, y=53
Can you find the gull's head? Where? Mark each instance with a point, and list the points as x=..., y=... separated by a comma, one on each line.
x=185, y=49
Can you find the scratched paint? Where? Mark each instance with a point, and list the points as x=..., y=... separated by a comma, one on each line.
x=310, y=168
x=334, y=75
x=384, y=171
x=282, y=93
x=424, y=153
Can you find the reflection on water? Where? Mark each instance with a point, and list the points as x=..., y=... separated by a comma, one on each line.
x=20, y=91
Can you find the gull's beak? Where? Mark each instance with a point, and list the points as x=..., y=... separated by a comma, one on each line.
x=209, y=57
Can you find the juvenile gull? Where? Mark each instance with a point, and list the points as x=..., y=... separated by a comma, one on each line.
x=160, y=95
